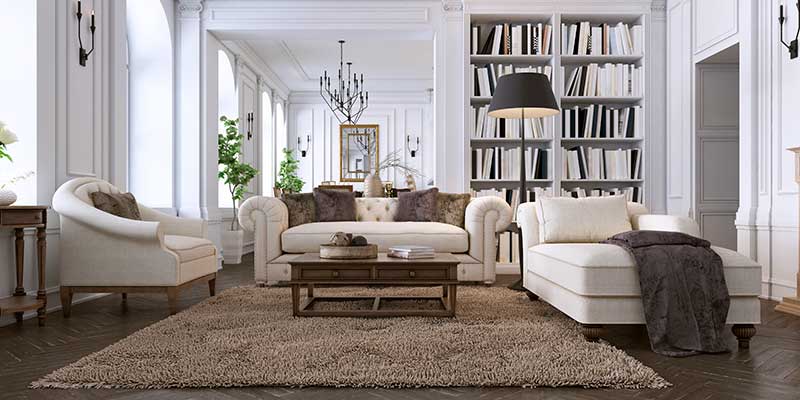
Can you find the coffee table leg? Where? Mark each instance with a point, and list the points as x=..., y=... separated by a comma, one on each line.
x=295, y=299
x=310, y=292
x=452, y=300
x=444, y=291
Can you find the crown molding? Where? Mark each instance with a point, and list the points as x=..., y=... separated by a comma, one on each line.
x=571, y=6
x=294, y=60
x=375, y=97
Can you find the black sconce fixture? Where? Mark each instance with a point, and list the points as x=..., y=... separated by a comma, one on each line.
x=83, y=55
x=299, y=147
x=411, y=150
x=250, y=118
x=792, y=46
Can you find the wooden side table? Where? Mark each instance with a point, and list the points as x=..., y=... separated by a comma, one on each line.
x=19, y=218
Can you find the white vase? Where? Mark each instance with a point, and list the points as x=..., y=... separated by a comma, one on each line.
x=7, y=197
x=373, y=187
x=232, y=246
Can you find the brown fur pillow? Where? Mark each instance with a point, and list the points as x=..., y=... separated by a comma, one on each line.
x=335, y=205
x=302, y=209
x=451, y=208
x=419, y=205
x=120, y=204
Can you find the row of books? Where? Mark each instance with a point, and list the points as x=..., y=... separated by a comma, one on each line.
x=485, y=77
x=593, y=163
x=411, y=252
x=632, y=193
x=599, y=121
x=608, y=80
x=584, y=39
x=483, y=126
x=504, y=163
x=513, y=39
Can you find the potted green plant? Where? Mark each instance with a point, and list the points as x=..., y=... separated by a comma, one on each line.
x=236, y=175
x=288, y=181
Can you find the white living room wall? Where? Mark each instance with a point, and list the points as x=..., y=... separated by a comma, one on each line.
x=397, y=115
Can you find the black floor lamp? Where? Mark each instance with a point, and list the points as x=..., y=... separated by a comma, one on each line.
x=520, y=96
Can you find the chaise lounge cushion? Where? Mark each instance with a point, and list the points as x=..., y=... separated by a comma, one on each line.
x=592, y=269
x=189, y=248
x=442, y=237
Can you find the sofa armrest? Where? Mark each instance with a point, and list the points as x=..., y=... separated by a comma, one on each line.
x=669, y=223
x=172, y=225
x=528, y=224
x=268, y=217
x=485, y=216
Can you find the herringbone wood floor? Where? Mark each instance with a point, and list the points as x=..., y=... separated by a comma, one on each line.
x=770, y=370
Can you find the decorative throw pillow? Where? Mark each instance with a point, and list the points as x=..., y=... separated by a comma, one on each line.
x=419, y=205
x=119, y=204
x=302, y=209
x=335, y=205
x=451, y=208
x=584, y=220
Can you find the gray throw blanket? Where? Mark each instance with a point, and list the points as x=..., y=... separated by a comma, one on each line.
x=684, y=294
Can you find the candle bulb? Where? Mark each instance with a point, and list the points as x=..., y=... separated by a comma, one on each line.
x=79, y=7
x=92, y=19
x=780, y=17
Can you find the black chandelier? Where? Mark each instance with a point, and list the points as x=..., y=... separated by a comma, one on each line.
x=349, y=91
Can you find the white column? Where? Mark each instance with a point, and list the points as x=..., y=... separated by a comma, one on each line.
x=451, y=174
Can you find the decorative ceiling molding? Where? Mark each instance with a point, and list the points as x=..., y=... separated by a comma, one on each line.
x=257, y=15
x=572, y=6
x=294, y=60
x=190, y=8
x=375, y=97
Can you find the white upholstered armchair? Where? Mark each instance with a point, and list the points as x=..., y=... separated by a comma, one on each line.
x=103, y=253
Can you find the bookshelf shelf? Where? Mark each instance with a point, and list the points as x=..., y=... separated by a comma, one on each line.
x=571, y=59
x=602, y=181
x=599, y=99
x=537, y=59
x=510, y=141
x=603, y=140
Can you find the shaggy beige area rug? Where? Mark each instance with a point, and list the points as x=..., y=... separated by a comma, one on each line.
x=248, y=337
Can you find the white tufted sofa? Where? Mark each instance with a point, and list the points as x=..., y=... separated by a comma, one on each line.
x=103, y=253
x=276, y=243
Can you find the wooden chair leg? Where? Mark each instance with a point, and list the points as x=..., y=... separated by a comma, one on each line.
x=743, y=333
x=124, y=297
x=212, y=287
x=172, y=298
x=592, y=332
x=66, y=301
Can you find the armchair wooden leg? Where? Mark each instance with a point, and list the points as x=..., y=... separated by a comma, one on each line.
x=66, y=301
x=124, y=297
x=212, y=287
x=592, y=332
x=172, y=298
x=744, y=332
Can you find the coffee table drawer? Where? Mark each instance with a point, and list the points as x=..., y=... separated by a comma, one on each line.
x=335, y=274
x=411, y=273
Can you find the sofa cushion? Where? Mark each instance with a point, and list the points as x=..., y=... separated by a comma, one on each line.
x=301, y=206
x=122, y=205
x=376, y=209
x=590, y=219
x=451, y=208
x=593, y=269
x=335, y=205
x=442, y=237
x=189, y=248
x=419, y=205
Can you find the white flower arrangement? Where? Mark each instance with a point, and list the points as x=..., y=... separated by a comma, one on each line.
x=6, y=137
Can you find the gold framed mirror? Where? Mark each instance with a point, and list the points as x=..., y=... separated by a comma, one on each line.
x=358, y=151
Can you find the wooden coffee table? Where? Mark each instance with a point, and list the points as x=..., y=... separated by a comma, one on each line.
x=310, y=270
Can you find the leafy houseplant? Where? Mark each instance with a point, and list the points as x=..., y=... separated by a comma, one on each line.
x=288, y=181
x=235, y=173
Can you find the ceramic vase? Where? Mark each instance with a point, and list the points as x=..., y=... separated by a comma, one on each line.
x=373, y=187
x=7, y=197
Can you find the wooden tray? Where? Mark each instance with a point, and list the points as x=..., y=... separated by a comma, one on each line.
x=348, y=252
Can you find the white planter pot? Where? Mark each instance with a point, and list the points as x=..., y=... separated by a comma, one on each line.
x=7, y=197
x=232, y=246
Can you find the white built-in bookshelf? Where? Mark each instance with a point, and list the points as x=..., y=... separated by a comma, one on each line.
x=605, y=157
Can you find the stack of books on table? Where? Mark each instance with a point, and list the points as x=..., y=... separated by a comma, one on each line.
x=411, y=252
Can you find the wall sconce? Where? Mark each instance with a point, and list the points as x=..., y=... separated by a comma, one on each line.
x=411, y=150
x=249, y=120
x=792, y=46
x=83, y=55
x=299, y=147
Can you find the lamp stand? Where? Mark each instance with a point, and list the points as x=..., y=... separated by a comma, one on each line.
x=523, y=197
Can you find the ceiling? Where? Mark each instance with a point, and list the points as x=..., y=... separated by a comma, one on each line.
x=387, y=64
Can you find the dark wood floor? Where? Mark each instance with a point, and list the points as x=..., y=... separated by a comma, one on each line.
x=769, y=370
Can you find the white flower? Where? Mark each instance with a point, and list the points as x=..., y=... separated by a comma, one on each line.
x=6, y=136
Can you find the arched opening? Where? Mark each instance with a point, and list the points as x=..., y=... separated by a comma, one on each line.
x=150, y=103
x=268, y=146
x=228, y=106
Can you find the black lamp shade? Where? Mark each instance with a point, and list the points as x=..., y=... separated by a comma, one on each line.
x=526, y=94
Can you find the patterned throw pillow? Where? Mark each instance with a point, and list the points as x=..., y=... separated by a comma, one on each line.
x=119, y=204
x=302, y=209
x=419, y=205
x=451, y=208
x=335, y=205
